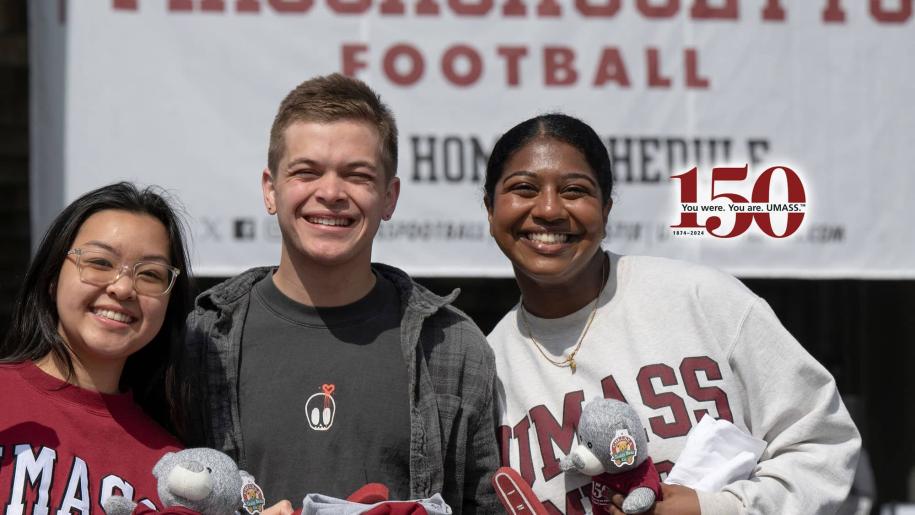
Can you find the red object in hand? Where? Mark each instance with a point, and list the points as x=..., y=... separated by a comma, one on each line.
x=515, y=494
x=374, y=493
x=370, y=493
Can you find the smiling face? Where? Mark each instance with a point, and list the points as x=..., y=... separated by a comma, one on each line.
x=546, y=213
x=330, y=193
x=104, y=325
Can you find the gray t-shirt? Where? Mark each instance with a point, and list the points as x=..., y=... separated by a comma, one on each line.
x=323, y=395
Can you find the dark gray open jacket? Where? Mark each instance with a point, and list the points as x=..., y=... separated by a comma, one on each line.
x=451, y=369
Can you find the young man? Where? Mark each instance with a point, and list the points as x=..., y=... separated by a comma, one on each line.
x=329, y=372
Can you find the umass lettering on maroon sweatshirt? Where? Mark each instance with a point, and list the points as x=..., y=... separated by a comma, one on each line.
x=64, y=449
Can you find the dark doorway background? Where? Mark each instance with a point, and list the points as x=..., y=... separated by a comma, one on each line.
x=862, y=331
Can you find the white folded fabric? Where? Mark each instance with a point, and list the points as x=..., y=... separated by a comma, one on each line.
x=318, y=504
x=716, y=453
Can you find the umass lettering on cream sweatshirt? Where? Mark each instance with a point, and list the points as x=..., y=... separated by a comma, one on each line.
x=677, y=342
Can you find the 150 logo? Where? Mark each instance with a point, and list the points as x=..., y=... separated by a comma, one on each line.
x=758, y=208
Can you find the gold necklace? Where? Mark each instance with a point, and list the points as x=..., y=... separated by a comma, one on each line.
x=570, y=359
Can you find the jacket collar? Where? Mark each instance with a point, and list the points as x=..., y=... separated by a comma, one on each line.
x=232, y=289
x=414, y=296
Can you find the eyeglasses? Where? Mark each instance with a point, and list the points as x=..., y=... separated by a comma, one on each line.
x=101, y=268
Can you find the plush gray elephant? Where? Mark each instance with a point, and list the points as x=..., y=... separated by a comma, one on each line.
x=613, y=450
x=204, y=480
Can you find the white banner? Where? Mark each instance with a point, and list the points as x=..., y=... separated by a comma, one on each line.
x=181, y=93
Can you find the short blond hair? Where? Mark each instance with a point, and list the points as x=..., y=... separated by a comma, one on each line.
x=333, y=98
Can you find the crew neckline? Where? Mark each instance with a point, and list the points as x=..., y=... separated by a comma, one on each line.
x=357, y=312
x=555, y=334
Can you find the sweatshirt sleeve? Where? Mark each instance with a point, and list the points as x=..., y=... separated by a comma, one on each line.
x=792, y=403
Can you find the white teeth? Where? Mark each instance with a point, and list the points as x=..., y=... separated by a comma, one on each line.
x=547, y=237
x=323, y=220
x=113, y=315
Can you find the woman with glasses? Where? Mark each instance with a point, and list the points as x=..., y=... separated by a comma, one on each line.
x=676, y=341
x=88, y=358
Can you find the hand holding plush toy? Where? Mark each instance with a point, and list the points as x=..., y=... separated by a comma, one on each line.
x=201, y=480
x=613, y=449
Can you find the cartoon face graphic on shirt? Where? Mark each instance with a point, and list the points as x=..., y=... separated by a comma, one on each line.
x=320, y=409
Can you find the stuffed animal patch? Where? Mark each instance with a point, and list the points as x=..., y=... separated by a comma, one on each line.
x=613, y=450
x=201, y=480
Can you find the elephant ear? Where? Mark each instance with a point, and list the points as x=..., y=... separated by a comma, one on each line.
x=246, y=477
x=163, y=465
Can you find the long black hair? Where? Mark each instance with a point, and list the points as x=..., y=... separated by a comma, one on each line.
x=33, y=332
x=558, y=126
